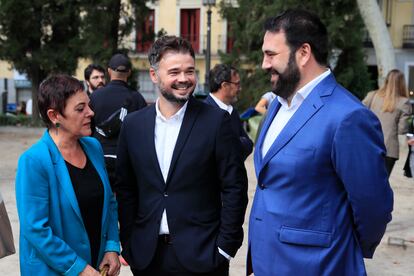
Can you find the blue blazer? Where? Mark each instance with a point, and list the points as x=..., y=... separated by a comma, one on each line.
x=323, y=199
x=53, y=239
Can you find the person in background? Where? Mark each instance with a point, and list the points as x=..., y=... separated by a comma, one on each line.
x=391, y=105
x=225, y=88
x=67, y=212
x=264, y=102
x=94, y=75
x=111, y=104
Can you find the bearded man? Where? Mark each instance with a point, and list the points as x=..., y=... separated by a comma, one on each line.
x=182, y=186
x=323, y=199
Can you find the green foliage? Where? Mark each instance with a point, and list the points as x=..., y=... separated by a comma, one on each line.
x=19, y=120
x=345, y=28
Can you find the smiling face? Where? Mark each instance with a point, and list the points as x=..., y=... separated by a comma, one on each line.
x=175, y=77
x=77, y=115
x=280, y=62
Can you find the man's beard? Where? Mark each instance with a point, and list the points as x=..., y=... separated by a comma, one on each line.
x=100, y=85
x=169, y=95
x=287, y=81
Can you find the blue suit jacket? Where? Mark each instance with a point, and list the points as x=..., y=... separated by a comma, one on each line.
x=53, y=239
x=323, y=199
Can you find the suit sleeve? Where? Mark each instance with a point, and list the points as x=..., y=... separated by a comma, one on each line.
x=32, y=196
x=358, y=156
x=405, y=113
x=125, y=187
x=246, y=142
x=233, y=177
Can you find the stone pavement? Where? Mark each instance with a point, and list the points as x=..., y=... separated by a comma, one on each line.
x=389, y=260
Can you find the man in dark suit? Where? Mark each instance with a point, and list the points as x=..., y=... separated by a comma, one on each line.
x=182, y=186
x=225, y=87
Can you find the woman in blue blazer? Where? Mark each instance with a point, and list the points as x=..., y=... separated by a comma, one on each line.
x=67, y=212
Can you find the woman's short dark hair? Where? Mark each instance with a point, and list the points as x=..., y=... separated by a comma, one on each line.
x=165, y=44
x=54, y=93
x=301, y=26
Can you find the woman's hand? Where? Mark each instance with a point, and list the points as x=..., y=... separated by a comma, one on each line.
x=111, y=259
x=89, y=271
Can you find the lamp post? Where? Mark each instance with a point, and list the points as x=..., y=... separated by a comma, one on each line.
x=208, y=3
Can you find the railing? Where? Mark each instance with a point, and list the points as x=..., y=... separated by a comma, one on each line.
x=408, y=36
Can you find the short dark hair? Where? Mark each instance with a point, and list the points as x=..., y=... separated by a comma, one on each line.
x=301, y=26
x=88, y=70
x=165, y=44
x=54, y=93
x=219, y=74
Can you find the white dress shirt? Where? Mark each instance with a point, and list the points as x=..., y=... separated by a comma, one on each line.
x=286, y=112
x=165, y=135
x=228, y=108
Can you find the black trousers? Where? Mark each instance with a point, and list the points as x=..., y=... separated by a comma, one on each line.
x=389, y=164
x=165, y=263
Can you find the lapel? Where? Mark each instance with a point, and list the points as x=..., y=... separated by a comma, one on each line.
x=310, y=106
x=270, y=115
x=62, y=173
x=148, y=125
x=189, y=119
x=209, y=100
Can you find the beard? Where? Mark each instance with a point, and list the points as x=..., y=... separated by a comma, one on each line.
x=169, y=95
x=99, y=85
x=288, y=80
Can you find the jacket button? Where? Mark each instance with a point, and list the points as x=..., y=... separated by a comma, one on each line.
x=262, y=186
x=165, y=194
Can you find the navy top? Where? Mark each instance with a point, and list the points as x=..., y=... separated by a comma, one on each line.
x=89, y=192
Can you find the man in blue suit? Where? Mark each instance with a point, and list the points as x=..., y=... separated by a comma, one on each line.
x=225, y=88
x=323, y=200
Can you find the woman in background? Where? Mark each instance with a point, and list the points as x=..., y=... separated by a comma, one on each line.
x=67, y=212
x=391, y=105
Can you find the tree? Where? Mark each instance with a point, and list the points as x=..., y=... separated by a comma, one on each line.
x=345, y=28
x=384, y=50
x=40, y=37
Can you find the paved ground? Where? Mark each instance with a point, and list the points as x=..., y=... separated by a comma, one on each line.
x=389, y=260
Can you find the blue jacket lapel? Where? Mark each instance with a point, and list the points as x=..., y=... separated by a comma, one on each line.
x=62, y=173
x=306, y=111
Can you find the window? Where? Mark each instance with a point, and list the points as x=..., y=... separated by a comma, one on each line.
x=145, y=33
x=230, y=39
x=190, y=27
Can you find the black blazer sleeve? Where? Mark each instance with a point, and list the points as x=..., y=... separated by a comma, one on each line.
x=233, y=177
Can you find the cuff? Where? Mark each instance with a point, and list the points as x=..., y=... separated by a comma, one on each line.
x=112, y=246
x=77, y=267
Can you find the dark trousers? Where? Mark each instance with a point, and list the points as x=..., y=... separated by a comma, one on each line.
x=389, y=164
x=165, y=263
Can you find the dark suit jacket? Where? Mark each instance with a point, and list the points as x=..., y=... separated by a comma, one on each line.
x=205, y=194
x=236, y=124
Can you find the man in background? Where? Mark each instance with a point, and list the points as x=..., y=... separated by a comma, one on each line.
x=111, y=104
x=94, y=75
x=225, y=88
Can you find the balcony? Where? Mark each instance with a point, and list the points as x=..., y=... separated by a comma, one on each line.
x=408, y=36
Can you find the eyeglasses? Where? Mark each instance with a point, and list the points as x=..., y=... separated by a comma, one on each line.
x=235, y=83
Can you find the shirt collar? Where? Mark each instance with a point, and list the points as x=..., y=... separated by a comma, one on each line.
x=228, y=108
x=179, y=115
x=302, y=93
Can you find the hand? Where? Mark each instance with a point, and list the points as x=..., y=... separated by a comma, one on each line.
x=111, y=259
x=89, y=271
x=410, y=142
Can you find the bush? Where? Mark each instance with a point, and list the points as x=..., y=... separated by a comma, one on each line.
x=17, y=120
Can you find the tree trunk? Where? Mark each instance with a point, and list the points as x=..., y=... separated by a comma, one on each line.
x=375, y=24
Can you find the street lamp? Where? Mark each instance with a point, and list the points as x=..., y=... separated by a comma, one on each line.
x=208, y=3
